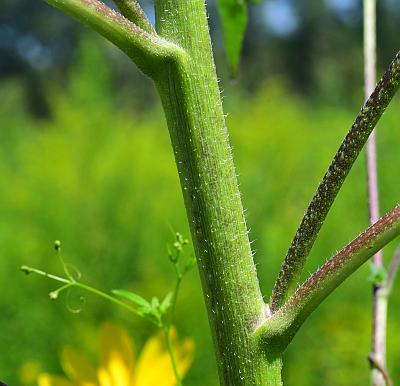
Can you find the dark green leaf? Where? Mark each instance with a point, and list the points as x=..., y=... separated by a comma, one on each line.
x=233, y=17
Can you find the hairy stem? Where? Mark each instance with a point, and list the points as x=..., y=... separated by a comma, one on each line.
x=148, y=51
x=332, y=182
x=192, y=104
x=280, y=328
x=132, y=10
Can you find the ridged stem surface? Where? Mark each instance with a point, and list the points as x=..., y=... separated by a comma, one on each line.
x=192, y=103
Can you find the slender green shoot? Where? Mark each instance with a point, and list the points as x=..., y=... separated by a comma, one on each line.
x=160, y=313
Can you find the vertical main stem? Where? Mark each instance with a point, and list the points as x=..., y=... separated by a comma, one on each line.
x=192, y=103
x=379, y=307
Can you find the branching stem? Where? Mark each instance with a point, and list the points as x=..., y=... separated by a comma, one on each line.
x=375, y=364
x=73, y=283
x=149, y=51
x=70, y=282
x=332, y=182
x=280, y=328
x=132, y=10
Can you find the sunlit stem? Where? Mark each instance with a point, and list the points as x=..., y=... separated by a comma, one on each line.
x=70, y=282
x=29, y=270
x=73, y=283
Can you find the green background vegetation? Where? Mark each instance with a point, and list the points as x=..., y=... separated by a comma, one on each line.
x=100, y=176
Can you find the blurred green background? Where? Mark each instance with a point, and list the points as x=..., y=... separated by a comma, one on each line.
x=85, y=158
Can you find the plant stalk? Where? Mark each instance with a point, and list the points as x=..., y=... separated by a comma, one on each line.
x=281, y=327
x=379, y=294
x=192, y=103
x=332, y=182
x=170, y=347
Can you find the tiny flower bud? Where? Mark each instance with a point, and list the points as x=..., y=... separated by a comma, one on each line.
x=53, y=295
x=179, y=237
x=177, y=245
x=57, y=245
x=26, y=269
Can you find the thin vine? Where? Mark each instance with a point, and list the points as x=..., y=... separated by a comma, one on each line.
x=158, y=312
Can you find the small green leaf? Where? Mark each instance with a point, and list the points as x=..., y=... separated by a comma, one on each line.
x=134, y=298
x=166, y=303
x=190, y=263
x=377, y=274
x=155, y=303
x=233, y=17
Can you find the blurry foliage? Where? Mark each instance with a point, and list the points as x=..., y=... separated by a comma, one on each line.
x=120, y=363
x=320, y=55
x=101, y=177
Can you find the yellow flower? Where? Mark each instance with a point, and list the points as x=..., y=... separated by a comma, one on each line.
x=118, y=366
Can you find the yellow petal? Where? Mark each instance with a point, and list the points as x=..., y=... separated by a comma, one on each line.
x=117, y=355
x=53, y=380
x=77, y=367
x=104, y=377
x=154, y=365
x=184, y=354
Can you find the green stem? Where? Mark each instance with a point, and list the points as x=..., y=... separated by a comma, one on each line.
x=170, y=347
x=107, y=297
x=332, y=182
x=174, y=300
x=281, y=327
x=132, y=10
x=147, y=50
x=29, y=270
x=74, y=283
x=192, y=104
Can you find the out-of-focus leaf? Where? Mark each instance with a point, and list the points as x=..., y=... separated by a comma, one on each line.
x=233, y=17
x=132, y=297
x=166, y=303
x=377, y=274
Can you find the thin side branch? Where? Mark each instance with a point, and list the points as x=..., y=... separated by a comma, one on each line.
x=148, y=51
x=392, y=271
x=379, y=297
x=382, y=369
x=280, y=328
x=332, y=182
x=132, y=10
